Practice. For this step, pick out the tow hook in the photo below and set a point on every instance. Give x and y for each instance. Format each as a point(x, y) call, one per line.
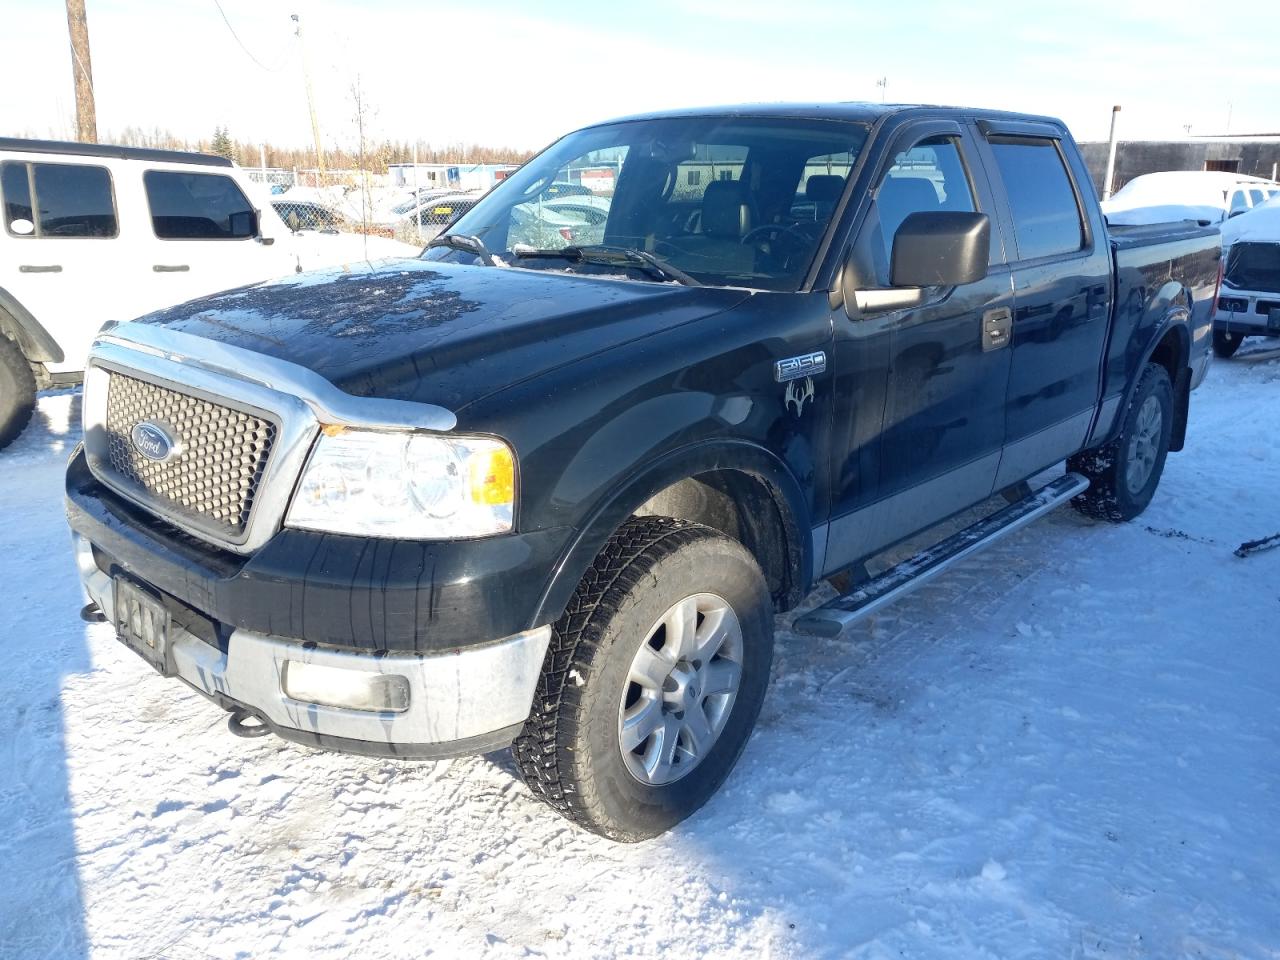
point(250, 731)
point(92, 613)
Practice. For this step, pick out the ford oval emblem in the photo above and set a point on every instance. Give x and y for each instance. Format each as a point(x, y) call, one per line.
point(152, 442)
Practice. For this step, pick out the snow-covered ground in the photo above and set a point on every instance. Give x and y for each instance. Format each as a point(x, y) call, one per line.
point(1067, 748)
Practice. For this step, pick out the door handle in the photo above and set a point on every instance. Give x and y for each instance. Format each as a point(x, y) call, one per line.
point(997, 324)
point(48, 268)
point(171, 267)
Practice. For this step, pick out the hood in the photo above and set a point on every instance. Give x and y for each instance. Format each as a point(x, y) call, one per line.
point(438, 332)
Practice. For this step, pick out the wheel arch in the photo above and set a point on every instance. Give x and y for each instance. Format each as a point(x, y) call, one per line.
point(735, 487)
point(17, 323)
point(1167, 342)
point(1170, 347)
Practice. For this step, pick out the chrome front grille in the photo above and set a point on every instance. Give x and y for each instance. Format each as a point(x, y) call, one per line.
point(219, 454)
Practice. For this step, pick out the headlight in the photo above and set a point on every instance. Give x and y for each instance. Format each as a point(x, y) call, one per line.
point(410, 486)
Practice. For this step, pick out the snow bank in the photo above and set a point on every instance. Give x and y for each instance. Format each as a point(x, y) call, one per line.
point(1063, 748)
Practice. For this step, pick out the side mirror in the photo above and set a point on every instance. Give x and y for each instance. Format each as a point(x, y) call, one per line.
point(941, 248)
point(243, 223)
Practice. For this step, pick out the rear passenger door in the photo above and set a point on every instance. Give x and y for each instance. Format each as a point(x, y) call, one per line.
point(63, 250)
point(1062, 295)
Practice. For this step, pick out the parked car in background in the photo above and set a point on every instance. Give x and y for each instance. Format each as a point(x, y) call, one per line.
point(407, 203)
point(572, 219)
point(1249, 301)
point(94, 233)
point(427, 218)
point(1204, 195)
point(303, 215)
point(565, 188)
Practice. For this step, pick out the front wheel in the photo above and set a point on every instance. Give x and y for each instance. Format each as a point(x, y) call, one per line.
point(653, 681)
point(1123, 474)
point(1226, 343)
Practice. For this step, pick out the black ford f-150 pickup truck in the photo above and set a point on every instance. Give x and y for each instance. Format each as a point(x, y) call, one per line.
point(547, 485)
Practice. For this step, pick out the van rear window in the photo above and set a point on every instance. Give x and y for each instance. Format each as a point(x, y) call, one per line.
point(70, 200)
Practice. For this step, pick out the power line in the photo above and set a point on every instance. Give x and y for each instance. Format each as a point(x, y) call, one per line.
point(239, 42)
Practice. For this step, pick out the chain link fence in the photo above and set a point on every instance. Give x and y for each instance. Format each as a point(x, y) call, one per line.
point(362, 202)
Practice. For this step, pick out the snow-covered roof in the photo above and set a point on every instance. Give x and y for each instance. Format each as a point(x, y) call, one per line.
point(1261, 224)
point(1176, 195)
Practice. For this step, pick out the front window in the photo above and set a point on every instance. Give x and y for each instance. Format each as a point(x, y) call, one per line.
point(724, 201)
point(198, 206)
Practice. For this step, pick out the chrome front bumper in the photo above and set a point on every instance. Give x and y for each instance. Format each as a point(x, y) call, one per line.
point(464, 702)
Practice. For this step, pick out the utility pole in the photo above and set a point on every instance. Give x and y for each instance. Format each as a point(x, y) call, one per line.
point(82, 73)
point(883, 84)
point(1111, 154)
point(311, 103)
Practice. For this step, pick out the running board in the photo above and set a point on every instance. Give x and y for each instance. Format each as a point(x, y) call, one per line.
point(832, 617)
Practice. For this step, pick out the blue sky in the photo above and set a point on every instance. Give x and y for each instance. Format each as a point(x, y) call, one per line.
point(503, 72)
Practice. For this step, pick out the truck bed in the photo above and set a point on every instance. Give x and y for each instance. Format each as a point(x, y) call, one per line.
point(1129, 237)
point(1159, 268)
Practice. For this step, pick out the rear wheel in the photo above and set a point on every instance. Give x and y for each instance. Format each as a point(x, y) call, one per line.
point(653, 681)
point(1123, 475)
point(17, 392)
point(1226, 343)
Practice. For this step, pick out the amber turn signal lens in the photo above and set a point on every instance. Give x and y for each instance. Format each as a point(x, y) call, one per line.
point(493, 477)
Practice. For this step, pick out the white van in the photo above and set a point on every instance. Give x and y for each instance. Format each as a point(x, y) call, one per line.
point(94, 233)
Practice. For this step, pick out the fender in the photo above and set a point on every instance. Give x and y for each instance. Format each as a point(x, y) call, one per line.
point(1171, 306)
point(17, 323)
point(609, 514)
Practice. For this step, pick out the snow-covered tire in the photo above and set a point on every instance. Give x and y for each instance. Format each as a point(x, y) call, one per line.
point(1123, 474)
point(609, 643)
point(1225, 343)
point(17, 392)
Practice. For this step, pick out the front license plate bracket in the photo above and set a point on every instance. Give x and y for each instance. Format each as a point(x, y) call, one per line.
point(143, 623)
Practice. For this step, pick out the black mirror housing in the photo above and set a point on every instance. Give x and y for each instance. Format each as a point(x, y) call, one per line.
point(941, 248)
point(243, 223)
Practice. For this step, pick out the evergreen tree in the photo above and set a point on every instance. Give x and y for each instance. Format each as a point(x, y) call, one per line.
point(222, 144)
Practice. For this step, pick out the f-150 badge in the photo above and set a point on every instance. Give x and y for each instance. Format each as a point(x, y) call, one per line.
point(793, 368)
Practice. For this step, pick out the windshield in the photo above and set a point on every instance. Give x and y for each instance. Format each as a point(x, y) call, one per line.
point(1253, 266)
point(728, 201)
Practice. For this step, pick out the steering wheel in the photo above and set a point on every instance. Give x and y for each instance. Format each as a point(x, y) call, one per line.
point(797, 241)
point(770, 229)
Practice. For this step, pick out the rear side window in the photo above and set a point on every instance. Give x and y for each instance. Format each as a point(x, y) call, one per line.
point(15, 186)
point(710, 162)
point(1239, 204)
point(1046, 216)
point(198, 206)
point(68, 201)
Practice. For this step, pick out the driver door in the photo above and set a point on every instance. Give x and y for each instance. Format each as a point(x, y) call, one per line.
point(945, 383)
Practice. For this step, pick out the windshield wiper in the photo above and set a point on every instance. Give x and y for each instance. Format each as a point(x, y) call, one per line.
point(604, 254)
point(466, 243)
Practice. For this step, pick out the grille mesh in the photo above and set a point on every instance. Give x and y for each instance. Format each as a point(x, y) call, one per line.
point(221, 453)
